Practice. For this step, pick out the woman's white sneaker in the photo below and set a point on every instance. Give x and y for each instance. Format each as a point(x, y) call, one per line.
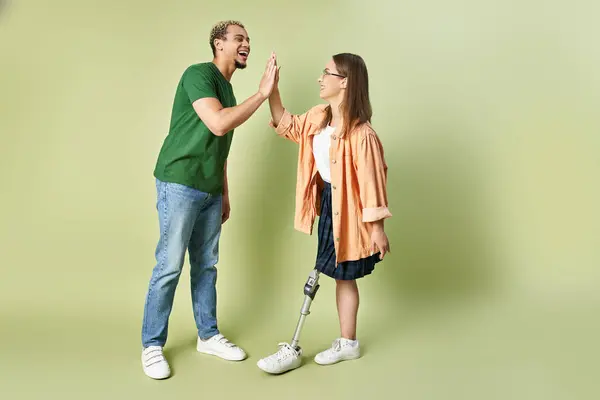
point(219, 346)
point(341, 350)
point(154, 363)
point(286, 358)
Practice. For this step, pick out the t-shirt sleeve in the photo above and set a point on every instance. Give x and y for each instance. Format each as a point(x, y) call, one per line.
point(199, 83)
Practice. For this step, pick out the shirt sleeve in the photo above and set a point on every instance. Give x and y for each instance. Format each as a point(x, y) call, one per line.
point(291, 127)
point(372, 179)
point(199, 83)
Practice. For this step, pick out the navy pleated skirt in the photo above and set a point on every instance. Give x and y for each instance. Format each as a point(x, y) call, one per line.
point(347, 270)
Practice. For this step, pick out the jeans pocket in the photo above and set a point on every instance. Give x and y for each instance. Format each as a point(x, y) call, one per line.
point(188, 193)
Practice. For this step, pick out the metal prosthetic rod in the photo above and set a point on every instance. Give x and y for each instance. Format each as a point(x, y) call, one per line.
point(310, 290)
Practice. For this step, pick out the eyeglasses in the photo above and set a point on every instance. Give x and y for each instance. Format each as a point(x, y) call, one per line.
point(325, 72)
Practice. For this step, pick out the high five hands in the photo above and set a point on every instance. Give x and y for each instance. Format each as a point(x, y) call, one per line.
point(270, 77)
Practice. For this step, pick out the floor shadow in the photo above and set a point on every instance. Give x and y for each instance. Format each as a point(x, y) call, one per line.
point(182, 346)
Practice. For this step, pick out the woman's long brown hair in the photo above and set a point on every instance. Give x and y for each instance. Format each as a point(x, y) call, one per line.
point(356, 106)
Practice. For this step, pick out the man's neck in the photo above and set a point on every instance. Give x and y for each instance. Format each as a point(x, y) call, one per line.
point(227, 68)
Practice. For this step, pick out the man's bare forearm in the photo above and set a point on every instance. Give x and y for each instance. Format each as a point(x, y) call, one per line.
point(232, 117)
point(220, 120)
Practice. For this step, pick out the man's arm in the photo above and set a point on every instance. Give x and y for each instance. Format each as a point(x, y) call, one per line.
point(221, 120)
point(226, 207)
point(225, 182)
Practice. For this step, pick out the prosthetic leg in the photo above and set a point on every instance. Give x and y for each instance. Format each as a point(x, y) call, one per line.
point(289, 355)
point(310, 290)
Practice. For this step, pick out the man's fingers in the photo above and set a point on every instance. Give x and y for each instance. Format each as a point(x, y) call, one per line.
point(269, 65)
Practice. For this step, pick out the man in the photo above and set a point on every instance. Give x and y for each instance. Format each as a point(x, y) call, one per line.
point(192, 191)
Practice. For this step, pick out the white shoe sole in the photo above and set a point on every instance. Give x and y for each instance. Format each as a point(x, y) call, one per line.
point(344, 358)
point(157, 377)
point(219, 354)
point(278, 372)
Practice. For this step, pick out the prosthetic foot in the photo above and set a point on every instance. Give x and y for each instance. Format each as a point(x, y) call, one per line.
point(288, 356)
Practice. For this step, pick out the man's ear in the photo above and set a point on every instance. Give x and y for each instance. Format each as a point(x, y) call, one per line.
point(218, 44)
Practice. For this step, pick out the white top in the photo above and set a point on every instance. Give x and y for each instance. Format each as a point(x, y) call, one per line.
point(321, 145)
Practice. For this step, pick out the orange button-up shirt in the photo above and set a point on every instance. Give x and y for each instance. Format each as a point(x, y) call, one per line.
point(358, 181)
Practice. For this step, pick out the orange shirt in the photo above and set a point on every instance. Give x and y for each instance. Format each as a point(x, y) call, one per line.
point(358, 181)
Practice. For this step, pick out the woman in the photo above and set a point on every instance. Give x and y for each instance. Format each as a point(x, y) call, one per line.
point(342, 178)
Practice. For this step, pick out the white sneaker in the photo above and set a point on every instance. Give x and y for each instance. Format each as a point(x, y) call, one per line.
point(154, 363)
point(341, 350)
point(285, 359)
point(219, 346)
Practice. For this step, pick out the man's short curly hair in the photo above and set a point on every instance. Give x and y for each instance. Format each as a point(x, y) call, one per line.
point(219, 31)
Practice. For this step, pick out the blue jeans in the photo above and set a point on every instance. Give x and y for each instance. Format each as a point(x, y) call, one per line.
point(189, 220)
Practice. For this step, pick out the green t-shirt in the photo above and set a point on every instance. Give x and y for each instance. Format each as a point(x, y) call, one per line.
point(191, 154)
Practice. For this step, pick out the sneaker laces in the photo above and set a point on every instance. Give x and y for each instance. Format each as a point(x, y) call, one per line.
point(336, 345)
point(284, 352)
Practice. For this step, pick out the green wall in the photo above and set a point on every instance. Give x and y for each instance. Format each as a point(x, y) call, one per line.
point(488, 116)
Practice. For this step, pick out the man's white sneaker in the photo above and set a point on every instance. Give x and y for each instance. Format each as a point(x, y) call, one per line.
point(219, 346)
point(286, 358)
point(154, 363)
point(341, 350)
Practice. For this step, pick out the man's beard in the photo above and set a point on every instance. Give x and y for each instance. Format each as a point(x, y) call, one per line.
point(239, 65)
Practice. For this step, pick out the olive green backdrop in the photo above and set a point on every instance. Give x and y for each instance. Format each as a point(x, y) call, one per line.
point(488, 112)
